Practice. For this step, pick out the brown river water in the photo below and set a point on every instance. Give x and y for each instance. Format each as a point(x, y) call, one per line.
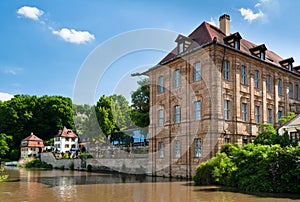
point(56, 185)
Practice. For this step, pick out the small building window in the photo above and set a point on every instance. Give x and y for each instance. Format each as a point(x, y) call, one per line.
point(177, 152)
point(291, 91)
point(197, 110)
point(270, 116)
point(176, 80)
point(227, 140)
point(226, 69)
point(296, 92)
point(197, 73)
point(177, 114)
point(245, 141)
point(256, 79)
point(237, 44)
point(66, 145)
point(279, 115)
point(244, 112)
point(226, 109)
point(161, 117)
point(197, 148)
point(180, 48)
point(244, 75)
point(257, 114)
point(294, 136)
point(269, 83)
point(161, 84)
point(161, 150)
point(279, 87)
point(262, 55)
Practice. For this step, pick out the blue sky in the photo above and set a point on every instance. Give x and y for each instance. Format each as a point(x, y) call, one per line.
point(45, 43)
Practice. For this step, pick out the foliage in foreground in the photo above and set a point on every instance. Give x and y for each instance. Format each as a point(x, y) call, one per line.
point(35, 163)
point(255, 168)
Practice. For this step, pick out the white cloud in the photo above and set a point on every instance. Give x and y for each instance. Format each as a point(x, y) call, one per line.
point(212, 21)
point(73, 36)
point(5, 96)
point(30, 12)
point(12, 70)
point(249, 15)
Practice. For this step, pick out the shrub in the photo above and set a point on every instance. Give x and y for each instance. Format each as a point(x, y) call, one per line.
point(71, 166)
point(87, 155)
point(35, 163)
point(89, 168)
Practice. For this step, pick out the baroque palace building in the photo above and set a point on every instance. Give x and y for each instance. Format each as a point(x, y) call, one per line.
point(214, 88)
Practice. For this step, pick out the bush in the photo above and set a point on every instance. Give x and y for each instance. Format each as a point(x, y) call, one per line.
point(35, 163)
point(72, 166)
point(255, 168)
point(87, 155)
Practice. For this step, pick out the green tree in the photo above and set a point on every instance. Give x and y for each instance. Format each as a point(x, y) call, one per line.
point(141, 104)
point(267, 135)
point(4, 147)
point(285, 119)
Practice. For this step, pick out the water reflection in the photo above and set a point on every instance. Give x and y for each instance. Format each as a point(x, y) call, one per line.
point(44, 186)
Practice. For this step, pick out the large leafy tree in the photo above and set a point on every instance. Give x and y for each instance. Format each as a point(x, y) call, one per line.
point(141, 104)
point(43, 116)
point(113, 114)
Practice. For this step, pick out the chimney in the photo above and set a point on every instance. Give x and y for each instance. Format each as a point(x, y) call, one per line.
point(224, 21)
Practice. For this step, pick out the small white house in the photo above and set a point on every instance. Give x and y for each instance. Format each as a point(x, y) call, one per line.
point(65, 141)
point(291, 127)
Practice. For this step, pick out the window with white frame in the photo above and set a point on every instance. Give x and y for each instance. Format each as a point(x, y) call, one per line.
point(197, 71)
point(257, 114)
point(244, 112)
point(176, 80)
point(197, 110)
point(244, 75)
point(226, 69)
point(161, 117)
point(270, 115)
point(161, 84)
point(161, 150)
point(269, 83)
point(197, 148)
point(177, 152)
point(226, 109)
point(291, 91)
point(256, 78)
point(177, 114)
point(279, 87)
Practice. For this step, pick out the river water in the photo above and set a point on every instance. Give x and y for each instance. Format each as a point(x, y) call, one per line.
point(56, 185)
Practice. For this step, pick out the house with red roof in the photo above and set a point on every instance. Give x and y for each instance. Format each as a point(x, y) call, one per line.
point(214, 87)
point(65, 141)
point(31, 146)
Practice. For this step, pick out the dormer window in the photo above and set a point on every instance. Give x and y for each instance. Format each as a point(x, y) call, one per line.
point(233, 40)
point(262, 55)
point(287, 63)
point(180, 48)
point(259, 51)
point(183, 43)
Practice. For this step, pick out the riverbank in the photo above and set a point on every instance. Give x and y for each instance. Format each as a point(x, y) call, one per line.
point(67, 185)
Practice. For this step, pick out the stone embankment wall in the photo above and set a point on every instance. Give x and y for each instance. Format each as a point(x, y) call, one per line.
point(124, 165)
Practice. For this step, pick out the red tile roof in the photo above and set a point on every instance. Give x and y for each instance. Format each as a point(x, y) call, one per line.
point(205, 33)
point(66, 133)
point(32, 141)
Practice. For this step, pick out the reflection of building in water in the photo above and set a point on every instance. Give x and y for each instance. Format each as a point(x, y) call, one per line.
point(31, 146)
point(215, 87)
